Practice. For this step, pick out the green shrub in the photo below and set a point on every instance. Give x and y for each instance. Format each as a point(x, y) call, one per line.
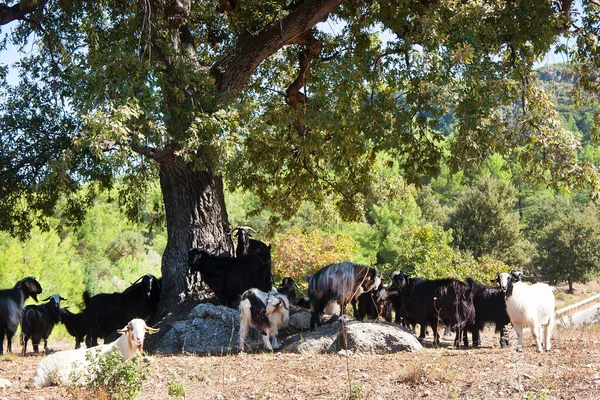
point(300, 254)
point(177, 389)
point(108, 377)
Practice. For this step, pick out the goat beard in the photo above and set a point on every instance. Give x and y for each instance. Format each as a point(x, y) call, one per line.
point(137, 348)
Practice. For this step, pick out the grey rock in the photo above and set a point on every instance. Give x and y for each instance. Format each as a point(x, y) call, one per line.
point(361, 337)
point(208, 329)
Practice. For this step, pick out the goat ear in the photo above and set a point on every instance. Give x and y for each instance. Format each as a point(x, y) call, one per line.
point(151, 330)
point(61, 298)
point(122, 331)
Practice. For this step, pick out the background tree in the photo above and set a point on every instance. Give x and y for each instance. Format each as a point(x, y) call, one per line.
point(189, 91)
point(485, 223)
point(568, 248)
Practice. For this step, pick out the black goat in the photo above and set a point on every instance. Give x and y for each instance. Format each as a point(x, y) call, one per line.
point(490, 307)
point(76, 325)
point(371, 306)
point(341, 283)
point(229, 277)
point(11, 308)
point(38, 322)
point(288, 288)
point(107, 312)
point(429, 301)
point(246, 246)
point(398, 294)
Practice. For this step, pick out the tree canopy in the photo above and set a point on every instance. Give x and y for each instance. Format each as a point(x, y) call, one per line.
point(260, 96)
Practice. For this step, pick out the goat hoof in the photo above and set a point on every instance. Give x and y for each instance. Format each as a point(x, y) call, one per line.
point(520, 349)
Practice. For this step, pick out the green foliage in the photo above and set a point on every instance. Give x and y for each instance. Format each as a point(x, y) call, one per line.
point(177, 389)
point(125, 244)
point(484, 222)
point(426, 252)
point(108, 377)
point(542, 211)
point(54, 263)
point(568, 247)
point(431, 208)
point(300, 254)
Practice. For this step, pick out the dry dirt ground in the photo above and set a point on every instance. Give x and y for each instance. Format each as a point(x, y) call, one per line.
point(570, 371)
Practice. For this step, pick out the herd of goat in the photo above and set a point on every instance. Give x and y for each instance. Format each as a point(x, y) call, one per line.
point(246, 281)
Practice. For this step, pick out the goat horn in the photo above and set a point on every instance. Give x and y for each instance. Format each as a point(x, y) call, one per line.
point(151, 330)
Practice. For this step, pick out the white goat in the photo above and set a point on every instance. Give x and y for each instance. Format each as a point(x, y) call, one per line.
point(59, 366)
point(267, 312)
point(531, 305)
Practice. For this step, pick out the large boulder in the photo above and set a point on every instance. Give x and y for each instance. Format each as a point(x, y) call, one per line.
point(208, 329)
point(374, 337)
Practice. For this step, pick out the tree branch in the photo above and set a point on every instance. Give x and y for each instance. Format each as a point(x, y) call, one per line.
point(232, 72)
point(19, 10)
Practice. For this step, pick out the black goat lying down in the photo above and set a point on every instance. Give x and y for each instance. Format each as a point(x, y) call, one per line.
point(107, 312)
point(76, 325)
point(341, 283)
point(267, 312)
point(11, 308)
point(38, 322)
point(229, 277)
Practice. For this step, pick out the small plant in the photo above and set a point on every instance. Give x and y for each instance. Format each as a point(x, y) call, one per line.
point(108, 377)
point(356, 393)
point(177, 389)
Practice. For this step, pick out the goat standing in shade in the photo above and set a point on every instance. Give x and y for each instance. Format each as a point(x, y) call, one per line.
point(229, 277)
point(341, 283)
point(267, 312)
point(38, 322)
point(11, 307)
point(107, 312)
point(288, 289)
point(76, 325)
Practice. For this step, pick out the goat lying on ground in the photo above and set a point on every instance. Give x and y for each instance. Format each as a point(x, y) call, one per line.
point(38, 322)
point(61, 365)
point(341, 283)
point(267, 312)
point(529, 305)
point(11, 308)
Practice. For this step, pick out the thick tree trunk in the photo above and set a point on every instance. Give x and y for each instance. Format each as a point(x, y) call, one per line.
point(196, 217)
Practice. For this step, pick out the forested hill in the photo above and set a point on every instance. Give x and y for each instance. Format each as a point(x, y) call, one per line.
point(558, 80)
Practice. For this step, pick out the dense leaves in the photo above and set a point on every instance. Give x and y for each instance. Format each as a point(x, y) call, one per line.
point(261, 96)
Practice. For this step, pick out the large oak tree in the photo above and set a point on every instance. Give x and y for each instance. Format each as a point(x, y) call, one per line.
point(255, 92)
